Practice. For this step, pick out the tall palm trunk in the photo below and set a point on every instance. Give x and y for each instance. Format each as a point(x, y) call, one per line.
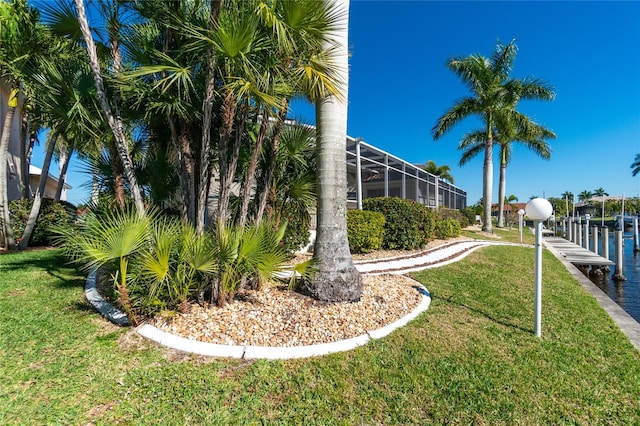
point(487, 178)
point(181, 150)
point(117, 170)
point(5, 219)
point(228, 114)
point(29, 143)
point(115, 124)
point(228, 155)
point(502, 187)
point(24, 162)
point(37, 198)
point(337, 279)
point(65, 157)
point(207, 114)
point(187, 168)
point(245, 193)
point(268, 180)
point(95, 187)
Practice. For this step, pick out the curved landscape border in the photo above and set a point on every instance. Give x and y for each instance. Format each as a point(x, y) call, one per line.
point(280, 352)
point(287, 352)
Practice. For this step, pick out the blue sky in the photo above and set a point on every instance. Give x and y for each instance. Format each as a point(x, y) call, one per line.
point(399, 86)
point(589, 51)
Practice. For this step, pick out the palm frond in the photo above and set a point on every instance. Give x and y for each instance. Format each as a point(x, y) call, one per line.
point(458, 112)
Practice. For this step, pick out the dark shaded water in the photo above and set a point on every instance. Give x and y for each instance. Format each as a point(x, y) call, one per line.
point(624, 293)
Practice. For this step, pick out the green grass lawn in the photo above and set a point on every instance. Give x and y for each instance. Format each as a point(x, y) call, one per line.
point(472, 358)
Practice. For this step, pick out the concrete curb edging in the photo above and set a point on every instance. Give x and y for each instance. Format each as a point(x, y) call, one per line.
point(278, 352)
point(105, 308)
point(252, 352)
point(186, 345)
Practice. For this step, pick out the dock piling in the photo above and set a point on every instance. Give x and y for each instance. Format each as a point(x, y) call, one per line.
point(604, 242)
point(578, 240)
point(618, 254)
point(594, 239)
point(585, 230)
point(570, 229)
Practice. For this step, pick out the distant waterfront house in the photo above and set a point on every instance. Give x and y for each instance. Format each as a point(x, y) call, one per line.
point(593, 206)
point(508, 208)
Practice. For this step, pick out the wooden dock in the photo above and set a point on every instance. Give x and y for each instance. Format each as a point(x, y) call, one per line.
point(576, 254)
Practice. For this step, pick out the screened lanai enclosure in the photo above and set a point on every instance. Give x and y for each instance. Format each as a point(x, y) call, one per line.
point(384, 175)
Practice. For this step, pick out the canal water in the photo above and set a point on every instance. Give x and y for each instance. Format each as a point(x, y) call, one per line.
point(624, 293)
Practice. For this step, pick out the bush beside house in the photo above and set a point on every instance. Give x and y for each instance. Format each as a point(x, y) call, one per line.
point(52, 214)
point(408, 224)
point(365, 230)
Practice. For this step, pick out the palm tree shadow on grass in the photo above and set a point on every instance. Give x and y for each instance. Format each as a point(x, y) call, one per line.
point(84, 306)
point(49, 260)
point(501, 321)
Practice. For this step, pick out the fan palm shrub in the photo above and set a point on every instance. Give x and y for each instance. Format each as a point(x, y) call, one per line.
point(110, 239)
point(245, 257)
point(171, 268)
point(161, 263)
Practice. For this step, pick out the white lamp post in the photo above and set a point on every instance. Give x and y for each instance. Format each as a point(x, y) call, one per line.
point(520, 216)
point(538, 210)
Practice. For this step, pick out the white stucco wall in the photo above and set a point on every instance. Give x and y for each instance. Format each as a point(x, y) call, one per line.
point(13, 159)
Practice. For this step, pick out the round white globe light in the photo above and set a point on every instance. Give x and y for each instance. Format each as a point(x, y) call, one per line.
point(538, 209)
point(521, 212)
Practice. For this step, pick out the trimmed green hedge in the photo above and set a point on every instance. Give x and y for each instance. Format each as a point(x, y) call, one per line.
point(447, 228)
point(470, 214)
point(458, 215)
point(408, 224)
point(365, 230)
point(52, 213)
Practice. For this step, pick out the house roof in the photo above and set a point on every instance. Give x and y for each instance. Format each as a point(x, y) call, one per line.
point(36, 171)
point(507, 207)
point(598, 199)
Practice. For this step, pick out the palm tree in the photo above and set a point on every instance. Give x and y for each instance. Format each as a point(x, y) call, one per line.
point(63, 108)
point(24, 42)
point(585, 195)
point(443, 172)
point(337, 279)
point(306, 69)
point(5, 219)
point(600, 192)
point(509, 201)
point(114, 121)
point(636, 165)
point(207, 118)
point(513, 127)
point(568, 197)
point(494, 95)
